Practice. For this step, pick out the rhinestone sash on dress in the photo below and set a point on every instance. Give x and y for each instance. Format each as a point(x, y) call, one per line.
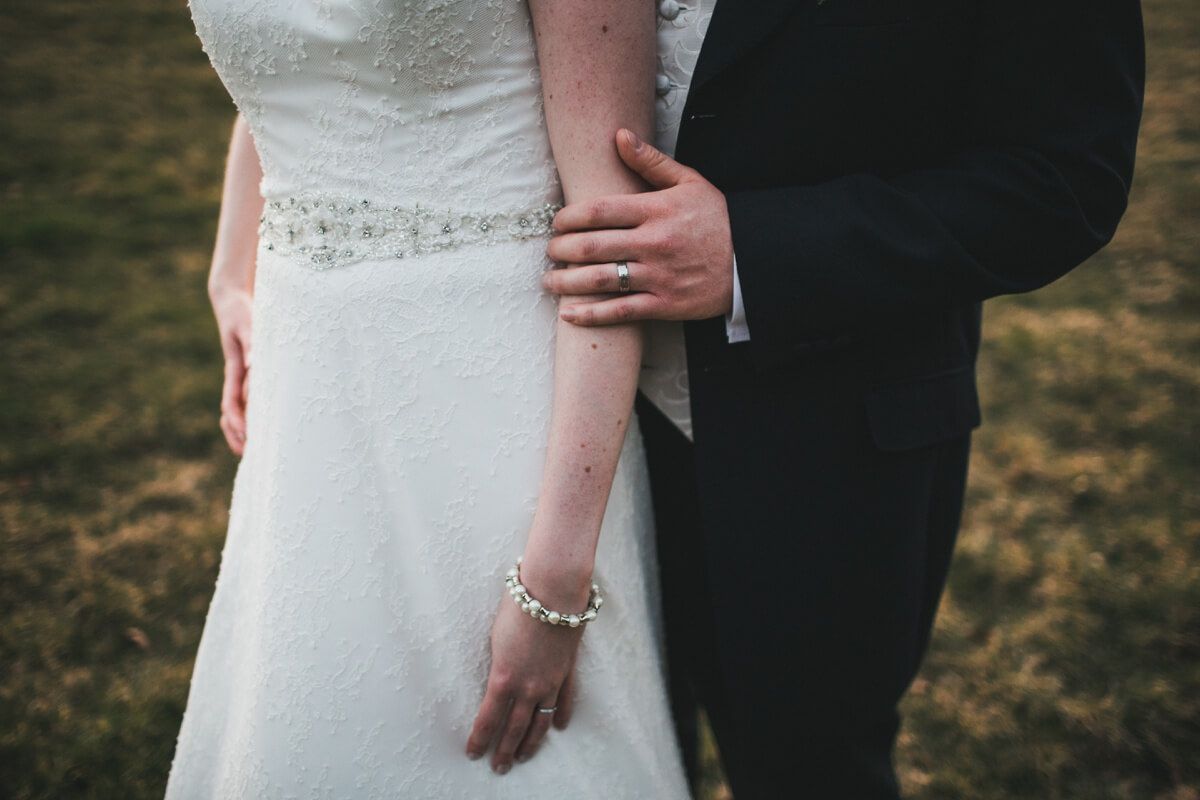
point(323, 233)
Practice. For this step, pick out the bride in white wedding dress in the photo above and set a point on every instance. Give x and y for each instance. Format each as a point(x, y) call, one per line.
point(417, 417)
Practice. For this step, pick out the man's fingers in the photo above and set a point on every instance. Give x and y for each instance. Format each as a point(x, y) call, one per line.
point(594, 279)
point(618, 310)
point(614, 211)
point(591, 247)
point(658, 169)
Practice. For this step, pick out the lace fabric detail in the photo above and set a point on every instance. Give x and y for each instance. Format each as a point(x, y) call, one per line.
point(398, 425)
point(414, 101)
point(323, 233)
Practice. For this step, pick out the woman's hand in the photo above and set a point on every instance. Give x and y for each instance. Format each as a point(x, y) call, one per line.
point(533, 665)
point(232, 308)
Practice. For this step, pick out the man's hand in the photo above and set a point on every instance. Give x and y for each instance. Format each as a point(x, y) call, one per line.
point(676, 241)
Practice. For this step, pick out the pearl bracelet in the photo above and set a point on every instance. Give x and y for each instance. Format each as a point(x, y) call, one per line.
point(535, 609)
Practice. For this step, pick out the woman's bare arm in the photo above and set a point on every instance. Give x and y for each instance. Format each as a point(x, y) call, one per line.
point(597, 64)
point(231, 278)
point(597, 61)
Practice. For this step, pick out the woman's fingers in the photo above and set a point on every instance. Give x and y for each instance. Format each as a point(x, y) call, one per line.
point(566, 701)
point(514, 731)
point(235, 393)
point(232, 438)
point(539, 726)
point(245, 393)
point(233, 406)
point(233, 312)
point(521, 728)
point(491, 715)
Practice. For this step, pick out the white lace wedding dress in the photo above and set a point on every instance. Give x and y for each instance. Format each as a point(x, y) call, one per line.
point(398, 417)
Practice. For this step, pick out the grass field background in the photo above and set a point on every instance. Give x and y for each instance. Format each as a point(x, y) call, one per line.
point(1066, 662)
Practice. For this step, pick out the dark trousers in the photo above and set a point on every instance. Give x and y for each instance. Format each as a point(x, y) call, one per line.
point(800, 678)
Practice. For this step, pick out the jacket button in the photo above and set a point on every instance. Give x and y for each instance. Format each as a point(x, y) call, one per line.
point(662, 84)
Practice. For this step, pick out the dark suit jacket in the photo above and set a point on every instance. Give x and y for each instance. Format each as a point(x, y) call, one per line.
point(888, 164)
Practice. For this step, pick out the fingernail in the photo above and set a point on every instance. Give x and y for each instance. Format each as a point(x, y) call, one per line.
point(522, 758)
point(503, 769)
point(567, 314)
point(474, 755)
point(632, 139)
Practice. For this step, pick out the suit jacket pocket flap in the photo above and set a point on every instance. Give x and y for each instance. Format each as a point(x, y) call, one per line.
point(923, 411)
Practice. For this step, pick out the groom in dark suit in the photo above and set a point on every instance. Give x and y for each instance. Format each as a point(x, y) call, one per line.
point(875, 168)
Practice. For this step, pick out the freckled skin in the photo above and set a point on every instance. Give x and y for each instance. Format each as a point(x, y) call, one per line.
point(592, 84)
point(593, 347)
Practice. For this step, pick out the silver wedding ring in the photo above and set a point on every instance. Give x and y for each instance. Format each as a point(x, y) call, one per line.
point(549, 710)
point(623, 277)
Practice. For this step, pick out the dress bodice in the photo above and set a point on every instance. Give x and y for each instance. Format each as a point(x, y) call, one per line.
point(416, 104)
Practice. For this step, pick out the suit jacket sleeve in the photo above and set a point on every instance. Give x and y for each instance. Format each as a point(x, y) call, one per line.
point(1036, 183)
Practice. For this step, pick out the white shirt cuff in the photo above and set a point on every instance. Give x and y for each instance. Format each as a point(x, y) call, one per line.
point(736, 329)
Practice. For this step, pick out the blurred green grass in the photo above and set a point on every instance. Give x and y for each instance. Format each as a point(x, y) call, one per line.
point(1066, 662)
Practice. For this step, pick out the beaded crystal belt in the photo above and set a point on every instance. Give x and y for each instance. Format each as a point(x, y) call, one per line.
point(331, 232)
